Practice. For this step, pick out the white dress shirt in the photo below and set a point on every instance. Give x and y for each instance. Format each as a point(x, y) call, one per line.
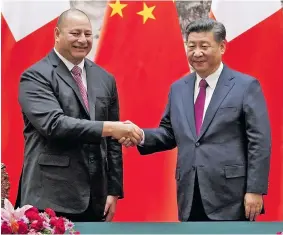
point(71, 65)
point(211, 80)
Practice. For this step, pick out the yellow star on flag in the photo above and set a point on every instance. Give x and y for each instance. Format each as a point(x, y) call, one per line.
point(147, 12)
point(117, 8)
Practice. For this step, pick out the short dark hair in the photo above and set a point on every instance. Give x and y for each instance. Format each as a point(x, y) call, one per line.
point(68, 12)
point(207, 25)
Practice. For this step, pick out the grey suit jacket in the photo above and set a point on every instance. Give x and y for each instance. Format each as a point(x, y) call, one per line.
point(65, 159)
point(232, 153)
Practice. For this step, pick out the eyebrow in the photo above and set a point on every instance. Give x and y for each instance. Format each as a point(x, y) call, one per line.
point(202, 42)
point(87, 31)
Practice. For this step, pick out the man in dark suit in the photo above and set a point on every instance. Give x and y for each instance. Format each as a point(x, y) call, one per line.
point(72, 159)
point(217, 118)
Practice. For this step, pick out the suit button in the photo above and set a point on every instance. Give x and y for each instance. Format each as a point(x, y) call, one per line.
point(91, 159)
point(197, 144)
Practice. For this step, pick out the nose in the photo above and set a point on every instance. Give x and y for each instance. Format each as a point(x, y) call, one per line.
point(82, 38)
point(198, 53)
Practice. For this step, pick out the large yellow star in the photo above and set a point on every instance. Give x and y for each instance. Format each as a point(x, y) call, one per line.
point(117, 8)
point(146, 12)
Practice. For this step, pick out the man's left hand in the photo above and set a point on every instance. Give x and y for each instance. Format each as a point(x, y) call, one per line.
point(253, 205)
point(110, 207)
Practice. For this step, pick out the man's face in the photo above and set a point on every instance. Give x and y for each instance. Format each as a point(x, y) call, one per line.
point(204, 53)
point(74, 38)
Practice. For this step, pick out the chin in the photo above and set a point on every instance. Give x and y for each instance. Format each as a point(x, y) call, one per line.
point(79, 56)
point(200, 68)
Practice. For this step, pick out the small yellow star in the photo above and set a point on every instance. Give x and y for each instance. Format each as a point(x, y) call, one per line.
point(117, 8)
point(147, 12)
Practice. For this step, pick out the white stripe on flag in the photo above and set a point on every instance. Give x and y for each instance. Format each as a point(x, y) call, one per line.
point(239, 16)
point(31, 15)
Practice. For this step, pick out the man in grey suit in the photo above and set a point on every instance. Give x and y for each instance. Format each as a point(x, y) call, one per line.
point(217, 118)
point(72, 159)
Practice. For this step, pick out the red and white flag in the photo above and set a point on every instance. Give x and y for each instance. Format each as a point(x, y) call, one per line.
point(255, 46)
point(27, 29)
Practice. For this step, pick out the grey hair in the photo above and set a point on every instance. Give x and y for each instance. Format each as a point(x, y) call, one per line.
point(207, 25)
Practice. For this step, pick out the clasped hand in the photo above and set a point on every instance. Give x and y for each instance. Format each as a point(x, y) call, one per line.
point(127, 133)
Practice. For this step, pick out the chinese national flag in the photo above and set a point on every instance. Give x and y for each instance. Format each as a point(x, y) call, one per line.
point(142, 46)
point(255, 46)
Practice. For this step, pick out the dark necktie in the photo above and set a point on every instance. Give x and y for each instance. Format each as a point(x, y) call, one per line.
point(77, 72)
point(199, 105)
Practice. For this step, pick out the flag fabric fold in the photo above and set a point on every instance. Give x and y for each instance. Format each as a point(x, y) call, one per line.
point(255, 45)
point(143, 48)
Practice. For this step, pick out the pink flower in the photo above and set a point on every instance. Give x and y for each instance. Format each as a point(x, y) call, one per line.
point(25, 219)
point(23, 228)
point(61, 221)
point(37, 225)
point(44, 216)
point(34, 209)
point(50, 212)
point(31, 215)
point(28, 220)
point(8, 213)
point(53, 221)
point(69, 225)
point(46, 225)
point(32, 231)
point(59, 230)
point(60, 226)
point(5, 228)
point(75, 232)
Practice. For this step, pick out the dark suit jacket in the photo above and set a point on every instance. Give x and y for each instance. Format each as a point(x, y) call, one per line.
point(232, 153)
point(65, 159)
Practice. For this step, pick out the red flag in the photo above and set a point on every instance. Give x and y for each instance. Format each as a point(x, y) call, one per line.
point(142, 46)
point(255, 45)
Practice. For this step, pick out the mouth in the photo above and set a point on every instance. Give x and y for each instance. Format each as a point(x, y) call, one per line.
point(80, 48)
point(199, 63)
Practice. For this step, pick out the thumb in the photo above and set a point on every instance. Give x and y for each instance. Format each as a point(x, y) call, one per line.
point(107, 205)
point(127, 122)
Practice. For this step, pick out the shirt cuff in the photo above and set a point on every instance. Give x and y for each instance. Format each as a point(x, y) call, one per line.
point(143, 138)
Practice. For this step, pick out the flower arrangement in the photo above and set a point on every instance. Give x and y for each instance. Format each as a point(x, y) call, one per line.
point(5, 184)
point(28, 220)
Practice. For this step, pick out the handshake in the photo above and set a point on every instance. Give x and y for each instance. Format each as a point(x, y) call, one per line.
point(127, 133)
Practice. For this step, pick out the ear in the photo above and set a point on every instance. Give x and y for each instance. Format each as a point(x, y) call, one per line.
point(223, 47)
point(56, 34)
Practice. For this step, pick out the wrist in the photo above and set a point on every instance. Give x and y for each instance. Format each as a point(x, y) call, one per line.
point(107, 128)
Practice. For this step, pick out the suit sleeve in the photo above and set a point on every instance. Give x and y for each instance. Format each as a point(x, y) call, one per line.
point(161, 138)
point(258, 137)
point(114, 151)
point(41, 107)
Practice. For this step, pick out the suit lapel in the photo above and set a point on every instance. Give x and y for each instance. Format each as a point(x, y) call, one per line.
point(224, 85)
point(188, 101)
point(62, 70)
point(90, 77)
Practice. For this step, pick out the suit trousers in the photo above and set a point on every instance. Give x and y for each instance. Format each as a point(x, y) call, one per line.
point(197, 210)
